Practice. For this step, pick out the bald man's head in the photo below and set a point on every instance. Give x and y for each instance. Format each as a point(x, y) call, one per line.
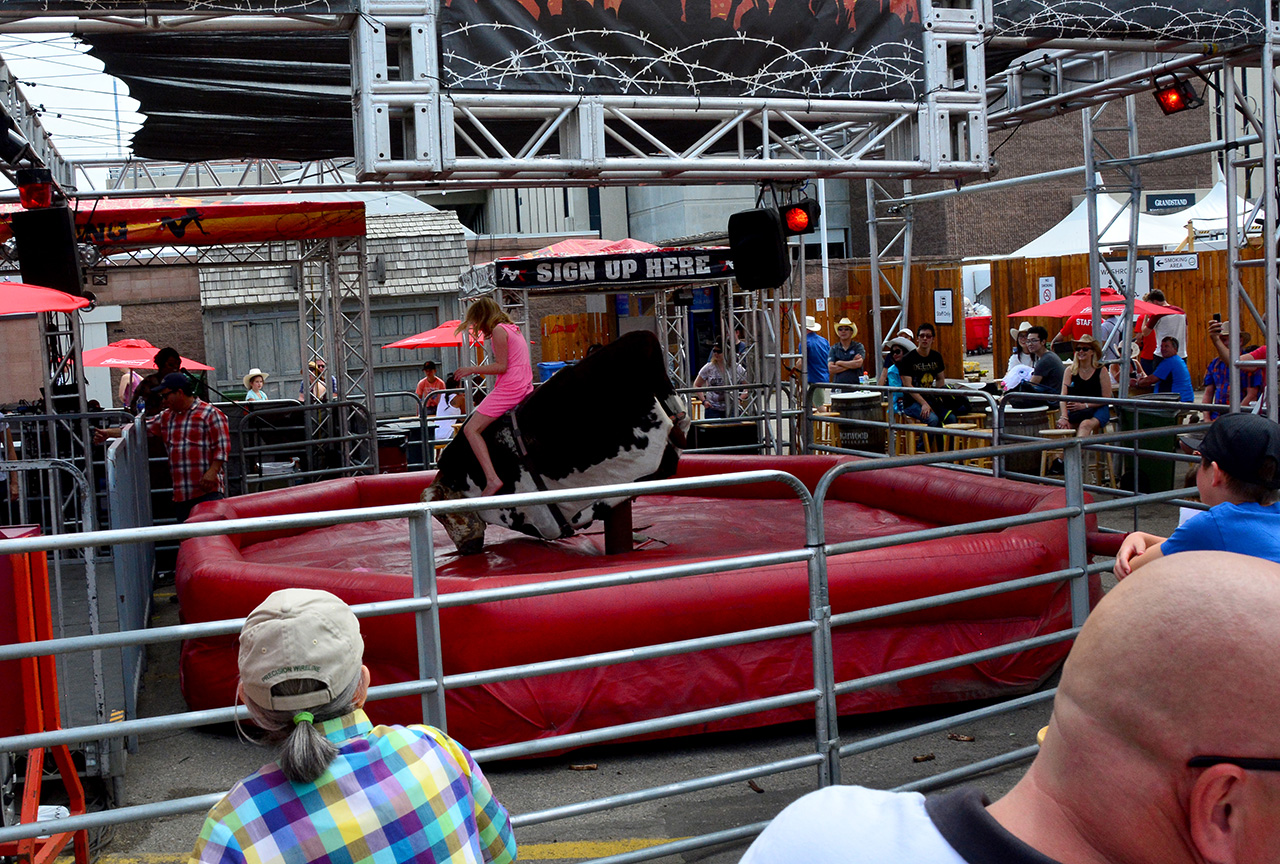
point(1179, 660)
point(1162, 658)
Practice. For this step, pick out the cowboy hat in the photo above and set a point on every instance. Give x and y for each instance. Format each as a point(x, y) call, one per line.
point(1015, 332)
point(811, 324)
point(1092, 342)
point(901, 342)
point(254, 373)
point(907, 333)
point(845, 322)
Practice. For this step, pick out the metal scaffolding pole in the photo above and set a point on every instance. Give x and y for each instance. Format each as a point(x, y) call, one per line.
point(1269, 145)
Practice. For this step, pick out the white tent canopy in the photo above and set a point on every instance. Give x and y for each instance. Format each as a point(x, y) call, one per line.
point(1071, 235)
point(1206, 215)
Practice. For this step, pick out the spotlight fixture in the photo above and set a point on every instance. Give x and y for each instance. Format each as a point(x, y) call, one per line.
point(1178, 96)
point(800, 217)
point(35, 188)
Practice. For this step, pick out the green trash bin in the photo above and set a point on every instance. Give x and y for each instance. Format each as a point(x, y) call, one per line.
point(1154, 474)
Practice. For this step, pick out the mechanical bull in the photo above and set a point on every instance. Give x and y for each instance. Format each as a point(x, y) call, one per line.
point(612, 418)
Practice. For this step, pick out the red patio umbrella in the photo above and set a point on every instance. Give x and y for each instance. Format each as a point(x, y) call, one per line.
point(130, 354)
point(437, 337)
point(1080, 302)
point(19, 298)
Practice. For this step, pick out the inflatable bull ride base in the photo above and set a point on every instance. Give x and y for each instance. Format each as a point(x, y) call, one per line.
point(226, 577)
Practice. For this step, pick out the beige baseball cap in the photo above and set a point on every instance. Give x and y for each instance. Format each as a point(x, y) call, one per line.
point(299, 633)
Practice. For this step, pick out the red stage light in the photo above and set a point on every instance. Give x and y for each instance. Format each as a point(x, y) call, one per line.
point(800, 217)
point(1178, 96)
point(35, 188)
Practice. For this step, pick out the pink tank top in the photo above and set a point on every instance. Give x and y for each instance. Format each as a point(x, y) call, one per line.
point(512, 386)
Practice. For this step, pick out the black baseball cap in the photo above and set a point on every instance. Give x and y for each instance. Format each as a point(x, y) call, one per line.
point(1246, 446)
point(176, 381)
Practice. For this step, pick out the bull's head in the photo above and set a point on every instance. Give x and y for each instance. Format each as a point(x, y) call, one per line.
point(673, 403)
point(466, 530)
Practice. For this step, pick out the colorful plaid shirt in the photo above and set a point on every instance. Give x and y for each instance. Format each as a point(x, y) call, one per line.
point(194, 439)
point(392, 794)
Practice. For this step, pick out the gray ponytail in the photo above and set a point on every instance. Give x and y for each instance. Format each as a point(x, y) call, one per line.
point(304, 752)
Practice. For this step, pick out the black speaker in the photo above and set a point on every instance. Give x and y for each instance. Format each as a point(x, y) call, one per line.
point(47, 253)
point(759, 249)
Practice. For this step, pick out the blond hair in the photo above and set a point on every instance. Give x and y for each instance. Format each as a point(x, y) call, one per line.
point(1094, 351)
point(483, 316)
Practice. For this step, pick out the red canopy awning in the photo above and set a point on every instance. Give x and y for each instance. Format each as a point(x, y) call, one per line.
point(437, 337)
point(131, 354)
point(1080, 302)
point(19, 298)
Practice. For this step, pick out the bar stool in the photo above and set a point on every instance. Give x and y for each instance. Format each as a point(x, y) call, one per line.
point(824, 431)
point(966, 442)
point(1057, 452)
point(905, 439)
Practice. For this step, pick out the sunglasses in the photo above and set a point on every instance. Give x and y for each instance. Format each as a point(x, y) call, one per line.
point(1249, 763)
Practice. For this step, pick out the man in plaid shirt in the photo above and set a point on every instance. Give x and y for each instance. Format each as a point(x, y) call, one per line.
point(198, 440)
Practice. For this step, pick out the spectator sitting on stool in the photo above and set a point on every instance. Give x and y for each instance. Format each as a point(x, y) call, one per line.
point(1085, 378)
point(923, 367)
point(1171, 374)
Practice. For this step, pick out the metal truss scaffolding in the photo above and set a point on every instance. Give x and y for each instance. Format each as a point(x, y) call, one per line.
point(892, 214)
point(407, 126)
point(1092, 187)
point(1238, 164)
point(333, 307)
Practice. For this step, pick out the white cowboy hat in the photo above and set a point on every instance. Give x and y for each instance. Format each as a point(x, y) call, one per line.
point(1014, 332)
point(907, 333)
point(845, 322)
point(254, 373)
point(902, 342)
point(811, 324)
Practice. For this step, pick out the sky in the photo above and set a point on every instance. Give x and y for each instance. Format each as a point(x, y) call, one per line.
point(72, 95)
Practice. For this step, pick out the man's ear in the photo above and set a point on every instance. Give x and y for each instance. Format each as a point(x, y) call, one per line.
point(362, 689)
point(1219, 476)
point(1213, 813)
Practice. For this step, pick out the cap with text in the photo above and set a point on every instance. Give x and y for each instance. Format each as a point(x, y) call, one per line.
point(299, 633)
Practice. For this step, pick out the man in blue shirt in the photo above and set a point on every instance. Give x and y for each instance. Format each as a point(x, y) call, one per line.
point(1238, 478)
point(817, 356)
point(1171, 374)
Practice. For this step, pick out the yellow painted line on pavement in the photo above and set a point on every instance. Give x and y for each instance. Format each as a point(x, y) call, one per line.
point(571, 850)
point(578, 849)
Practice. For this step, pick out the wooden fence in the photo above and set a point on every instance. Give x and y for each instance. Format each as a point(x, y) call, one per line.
point(567, 337)
point(926, 278)
point(1200, 293)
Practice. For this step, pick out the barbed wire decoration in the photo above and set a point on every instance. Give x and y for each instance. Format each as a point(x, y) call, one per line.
point(1225, 21)
point(797, 48)
point(276, 7)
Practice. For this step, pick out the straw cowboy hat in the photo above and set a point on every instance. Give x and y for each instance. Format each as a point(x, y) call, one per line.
point(845, 322)
point(1014, 332)
point(1092, 342)
point(254, 373)
point(811, 324)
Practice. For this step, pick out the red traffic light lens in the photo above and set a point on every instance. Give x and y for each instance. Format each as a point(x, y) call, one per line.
point(796, 219)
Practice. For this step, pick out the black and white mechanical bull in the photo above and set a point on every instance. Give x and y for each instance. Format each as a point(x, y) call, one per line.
point(612, 418)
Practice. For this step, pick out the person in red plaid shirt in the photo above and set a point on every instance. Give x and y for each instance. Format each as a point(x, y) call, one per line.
point(197, 437)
